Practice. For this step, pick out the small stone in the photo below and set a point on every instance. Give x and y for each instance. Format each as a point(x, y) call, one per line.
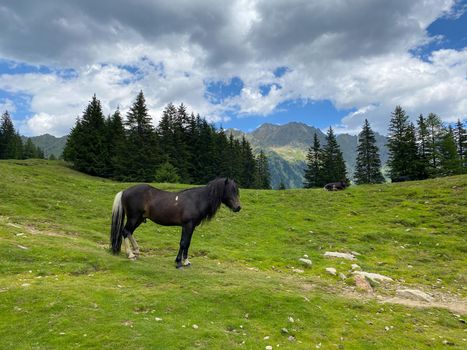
point(298, 270)
point(25, 285)
point(342, 276)
point(331, 270)
point(306, 262)
point(291, 320)
point(347, 256)
point(158, 319)
point(22, 247)
point(284, 331)
point(414, 294)
point(291, 338)
point(305, 256)
point(268, 347)
point(356, 267)
point(195, 326)
point(386, 328)
point(266, 337)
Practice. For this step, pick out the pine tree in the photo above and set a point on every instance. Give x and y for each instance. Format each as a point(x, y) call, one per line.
point(181, 158)
point(368, 167)
point(167, 173)
point(86, 145)
point(248, 166)
point(435, 131)
point(449, 162)
point(117, 145)
point(11, 146)
point(415, 167)
point(314, 170)
point(333, 161)
point(221, 154)
point(235, 158)
point(460, 136)
point(207, 160)
point(30, 150)
point(423, 141)
point(397, 144)
point(262, 174)
point(142, 143)
point(165, 131)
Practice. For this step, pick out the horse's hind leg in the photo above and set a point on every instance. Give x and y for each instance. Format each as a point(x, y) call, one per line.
point(129, 253)
point(130, 226)
point(134, 245)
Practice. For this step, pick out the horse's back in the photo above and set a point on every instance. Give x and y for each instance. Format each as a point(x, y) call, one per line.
point(134, 198)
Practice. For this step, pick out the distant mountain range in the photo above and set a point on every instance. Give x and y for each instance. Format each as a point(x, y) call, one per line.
point(50, 144)
point(285, 145)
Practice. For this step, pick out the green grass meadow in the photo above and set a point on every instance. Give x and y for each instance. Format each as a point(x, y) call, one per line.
point(60, 288)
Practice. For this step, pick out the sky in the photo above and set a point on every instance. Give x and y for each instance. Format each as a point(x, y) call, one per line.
point(238, 63)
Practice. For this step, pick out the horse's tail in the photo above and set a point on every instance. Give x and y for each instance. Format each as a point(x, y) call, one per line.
point(118, 215)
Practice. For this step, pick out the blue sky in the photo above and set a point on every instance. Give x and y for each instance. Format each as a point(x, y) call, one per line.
point(239, 64)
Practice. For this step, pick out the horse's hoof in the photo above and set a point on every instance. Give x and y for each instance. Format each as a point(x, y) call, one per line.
point(179, 266)
point(132, 257)
point(187, 265)
point(137, 252)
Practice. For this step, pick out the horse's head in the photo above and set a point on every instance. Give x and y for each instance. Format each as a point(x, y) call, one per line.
point(230, 196)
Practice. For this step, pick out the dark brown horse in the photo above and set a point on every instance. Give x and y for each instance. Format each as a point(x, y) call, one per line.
point(336, 186)
point(187, 209)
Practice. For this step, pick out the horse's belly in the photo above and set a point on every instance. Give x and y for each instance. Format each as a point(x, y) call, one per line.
point(165, 217)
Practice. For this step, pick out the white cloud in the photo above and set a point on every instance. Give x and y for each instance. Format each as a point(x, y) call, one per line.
point(354, 54)
point(7, 105)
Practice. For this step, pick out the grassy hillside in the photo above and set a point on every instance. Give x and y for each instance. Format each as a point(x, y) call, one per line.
point(60, 288)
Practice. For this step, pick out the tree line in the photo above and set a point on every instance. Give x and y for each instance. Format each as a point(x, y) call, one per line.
point(11, 144)
point(182, 148)
point(431, 149)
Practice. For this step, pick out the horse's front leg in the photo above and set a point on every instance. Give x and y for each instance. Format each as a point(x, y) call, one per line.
point(187, 231)
point(185, 260)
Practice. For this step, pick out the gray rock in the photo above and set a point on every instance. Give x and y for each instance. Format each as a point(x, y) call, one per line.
point(347, 256)
point(414, 294)
point(375, 277)
point(306, 262)
point(356, 267)
point(331, 270)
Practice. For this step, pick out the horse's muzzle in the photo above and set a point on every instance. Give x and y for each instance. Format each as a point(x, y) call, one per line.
point(237, 209)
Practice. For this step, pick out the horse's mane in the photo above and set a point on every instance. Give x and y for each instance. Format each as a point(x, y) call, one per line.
point(215, 190)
